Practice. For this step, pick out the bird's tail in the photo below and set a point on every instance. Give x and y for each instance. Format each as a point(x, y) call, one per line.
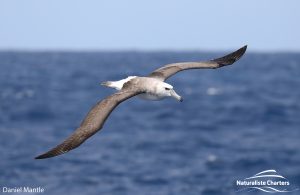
point(112, 84)
point(107, 83)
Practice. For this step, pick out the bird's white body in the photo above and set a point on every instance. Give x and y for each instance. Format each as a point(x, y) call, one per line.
point(155, 89)
point(148, 96)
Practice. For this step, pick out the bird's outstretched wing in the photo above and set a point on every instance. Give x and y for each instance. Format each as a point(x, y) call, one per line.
point(166, 71)
point(92, 123)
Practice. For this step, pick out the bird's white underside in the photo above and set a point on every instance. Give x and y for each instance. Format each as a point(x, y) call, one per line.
point(148, 96)
point(153, 95)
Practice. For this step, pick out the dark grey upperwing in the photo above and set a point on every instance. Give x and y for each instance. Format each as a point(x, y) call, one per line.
point(92, 123)
point(165, 72)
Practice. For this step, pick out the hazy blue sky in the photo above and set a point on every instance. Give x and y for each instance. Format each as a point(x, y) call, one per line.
point(154, 24)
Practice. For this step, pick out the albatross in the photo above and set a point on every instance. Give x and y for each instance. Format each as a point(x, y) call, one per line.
point(151, 87)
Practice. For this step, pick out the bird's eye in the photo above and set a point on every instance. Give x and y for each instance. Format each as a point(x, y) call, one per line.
point(166, 88)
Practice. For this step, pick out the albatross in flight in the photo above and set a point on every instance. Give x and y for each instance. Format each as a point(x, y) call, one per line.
point(151, 87)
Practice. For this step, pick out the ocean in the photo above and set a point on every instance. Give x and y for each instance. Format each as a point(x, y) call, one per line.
point(234, 122)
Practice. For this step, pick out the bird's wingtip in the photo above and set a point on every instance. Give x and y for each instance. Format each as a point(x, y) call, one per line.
point(43, 156)
point(240, 52)
point(244, 47)
point(52, 153)
point(38, 157)
point(232, 57)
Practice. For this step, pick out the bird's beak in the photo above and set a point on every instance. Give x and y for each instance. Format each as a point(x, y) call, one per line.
point(176, 96)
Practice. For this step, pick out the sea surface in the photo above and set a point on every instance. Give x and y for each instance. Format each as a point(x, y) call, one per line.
point(233, 123)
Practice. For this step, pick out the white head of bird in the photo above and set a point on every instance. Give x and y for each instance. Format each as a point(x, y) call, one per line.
point(166, 90)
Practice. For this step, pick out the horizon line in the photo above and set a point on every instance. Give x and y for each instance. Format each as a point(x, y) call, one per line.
point(109, 50)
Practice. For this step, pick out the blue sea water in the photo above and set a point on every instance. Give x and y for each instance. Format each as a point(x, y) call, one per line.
point(233, 123)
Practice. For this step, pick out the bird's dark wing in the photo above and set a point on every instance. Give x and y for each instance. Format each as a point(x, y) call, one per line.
point(92, 123)
point(166, 71)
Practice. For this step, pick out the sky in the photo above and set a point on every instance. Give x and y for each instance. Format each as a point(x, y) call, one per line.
point(265, 25)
